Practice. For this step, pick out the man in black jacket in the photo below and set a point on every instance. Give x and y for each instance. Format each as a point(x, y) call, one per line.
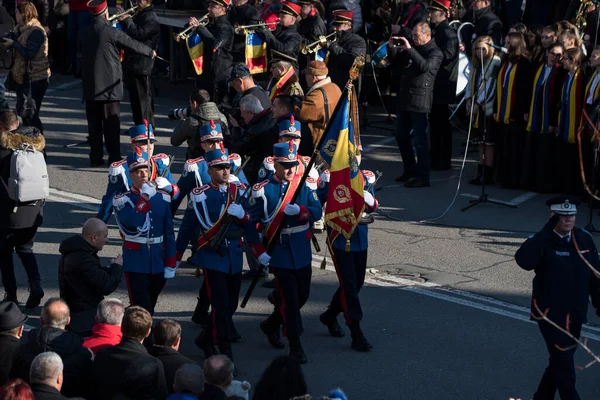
point(418, 67)
point(218, 44)
point(562, 286)
point(286, 38)
point(103, 81)
point(53, 337)
point(444, 88)
point(484, 21)
point(167, 338)
point(82, 279)
point(12, 321)
point(46, 376)
point(242, 13)
point(18, 228)
point(127, 369)
point(311, 27)
point(347, 46)
point(144, 28)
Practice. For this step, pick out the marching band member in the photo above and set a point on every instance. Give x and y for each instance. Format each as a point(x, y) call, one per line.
point(286, 38)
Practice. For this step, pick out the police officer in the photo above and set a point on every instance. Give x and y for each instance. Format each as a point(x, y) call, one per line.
point(347, 46)
point(103, 81)
point(143, 215)
point(311, 26)
point(212, 204)
point(286, 38)
point(351, 267)
point(218, 42)
point(291, 254)
point(562, 285)
point(119, 179)
point(242, 13)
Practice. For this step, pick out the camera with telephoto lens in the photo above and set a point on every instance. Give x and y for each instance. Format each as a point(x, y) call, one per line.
point(179, 113)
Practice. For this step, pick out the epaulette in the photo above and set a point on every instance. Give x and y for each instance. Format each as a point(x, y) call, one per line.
point(166, 195)
point(197, 195)
point(269, 163)
point(236, 159)
point(325, 176)
point(369, 176)
point(117, 168)
point(311, 183)
point(192, 165)
point(162, 157)
point(120, 200)
point(258, 190)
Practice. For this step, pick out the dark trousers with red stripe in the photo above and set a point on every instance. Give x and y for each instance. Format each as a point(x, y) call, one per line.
point(144, 289)
point(350, 267)
point(292, 288)
point(223, 290)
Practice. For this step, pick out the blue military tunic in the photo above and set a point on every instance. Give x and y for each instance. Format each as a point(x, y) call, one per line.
point(267, 169)
point(119, 182)
point(360, 238)
point(147, 228)
point(292, 249)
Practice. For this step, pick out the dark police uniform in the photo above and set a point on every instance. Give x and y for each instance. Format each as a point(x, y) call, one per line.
point(285, 39)
point(344, 50)
point(143, 27)
point(562, 285)
point(246, 14)
point(291, 254)
point(218, 43)
point(103, 81)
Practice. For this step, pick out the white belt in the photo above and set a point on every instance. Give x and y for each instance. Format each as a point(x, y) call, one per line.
point(144, 240)
point(295, 229)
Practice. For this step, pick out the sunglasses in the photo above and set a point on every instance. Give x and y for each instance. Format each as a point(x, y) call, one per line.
point(559, 55)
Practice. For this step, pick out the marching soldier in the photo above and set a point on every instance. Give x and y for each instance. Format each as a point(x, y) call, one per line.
point(291, 254)
point(218, 41)
point(102, 81)
point(143, 215)
point(347, 46)
point(242, 13)
point(284, 79)
point(212, 204)
point(286, 38)
point(143, 27)
point(311, 26)
point(351, 267)
point(119, 180)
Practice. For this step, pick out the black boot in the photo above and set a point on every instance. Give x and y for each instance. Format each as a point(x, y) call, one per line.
point(330, 321)
point(205, 343)
point(11, 296)
point(200, 316)
point(359, 341)
point(478, 179)
point(36, 293)
point(297, 352)
point(272, 332)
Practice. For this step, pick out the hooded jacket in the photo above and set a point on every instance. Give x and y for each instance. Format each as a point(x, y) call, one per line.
point(28, 214)
point(83, 281)
point(77, 359)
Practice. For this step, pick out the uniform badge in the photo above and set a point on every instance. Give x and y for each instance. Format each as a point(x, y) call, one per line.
point(315, 196)
point(322, 184)
point(141, 160)
point(252, 201)
point(262, 173)
point(214, 133)
point(291, 156)
point(224, 157)
point(113, 179)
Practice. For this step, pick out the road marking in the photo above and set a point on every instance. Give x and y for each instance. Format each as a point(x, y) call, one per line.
point(75, 196)
point(514, 202)
point(381, 143)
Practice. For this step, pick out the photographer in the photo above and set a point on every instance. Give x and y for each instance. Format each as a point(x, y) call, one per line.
point(200, 112)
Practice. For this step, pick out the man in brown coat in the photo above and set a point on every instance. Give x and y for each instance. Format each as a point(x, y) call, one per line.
point(320, 100)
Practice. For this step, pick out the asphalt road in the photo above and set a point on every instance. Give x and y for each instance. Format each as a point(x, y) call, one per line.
point(445, 304)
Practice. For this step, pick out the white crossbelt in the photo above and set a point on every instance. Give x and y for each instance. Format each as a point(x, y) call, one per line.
point(295, 229)
point(143, 240)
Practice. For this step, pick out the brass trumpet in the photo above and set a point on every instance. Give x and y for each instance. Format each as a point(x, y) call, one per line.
point(186, 32)
point(131, 11)
point(243, 29)
point(317, 45)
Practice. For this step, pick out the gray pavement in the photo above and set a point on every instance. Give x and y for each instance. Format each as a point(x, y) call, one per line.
point(445, 304)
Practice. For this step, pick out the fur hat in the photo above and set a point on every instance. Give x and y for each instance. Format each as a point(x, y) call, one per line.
point(317, 68)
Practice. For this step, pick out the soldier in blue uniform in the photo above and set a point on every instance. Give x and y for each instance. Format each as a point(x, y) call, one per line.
point(143, 215)
point(210, 206)
point(119, 180)
point(291, 254)
point(351, 267)
point(562, 285)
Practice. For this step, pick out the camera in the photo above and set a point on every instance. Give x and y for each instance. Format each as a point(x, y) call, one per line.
point(179, 113)
point(9, 35)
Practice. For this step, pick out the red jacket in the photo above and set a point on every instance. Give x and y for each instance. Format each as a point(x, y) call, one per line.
point(103, 335)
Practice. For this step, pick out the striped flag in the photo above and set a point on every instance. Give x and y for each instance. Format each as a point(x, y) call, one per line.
point(118, 25)
point(322, 55)
point(256, 53)
point(195, 48)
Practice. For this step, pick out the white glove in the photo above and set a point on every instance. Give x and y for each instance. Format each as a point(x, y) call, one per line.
point(291, 209)
point(369, 199)
point(148, 189)
point(264, 259)
point(234, 179)
point(163, 184)
point(236, 210)
point(169, 273)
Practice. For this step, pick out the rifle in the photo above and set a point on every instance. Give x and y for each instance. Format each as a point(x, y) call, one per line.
point(354, 72)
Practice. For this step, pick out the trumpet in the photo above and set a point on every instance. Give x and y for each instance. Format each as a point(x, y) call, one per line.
point(186, 32)
point(131, 11)
point(318, 45)
point(242, 29)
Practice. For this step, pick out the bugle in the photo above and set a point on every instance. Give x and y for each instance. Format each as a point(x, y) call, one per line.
point(186, 32)
point(243, 29)
point(317, 45)
point(131, 11)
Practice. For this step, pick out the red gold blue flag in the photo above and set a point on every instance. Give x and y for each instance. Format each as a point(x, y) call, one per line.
point(195, 48)
point(322, 55)
point(256, 53)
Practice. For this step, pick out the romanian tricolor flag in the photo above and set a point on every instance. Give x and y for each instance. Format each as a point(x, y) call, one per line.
point(274, 87)
point(195, 48)
point(322, 55)
point(118, 25)
point(345, 198)
point(256, 53)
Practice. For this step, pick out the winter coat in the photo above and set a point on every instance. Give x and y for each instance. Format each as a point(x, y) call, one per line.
point(311, 111)
point(145, 28)
point(103, 335)
point(7, 24)
point(444, 88)
point(31, 53)
point(217, 34)
point(485, 22)
point(8, 345)
point(172, 360)
point(77, 359)
point(83, 281)
point(312, 27)
point(30, 214)
point(342, 53)
point(102, 76)
point(45, 392)
point(286, 40)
